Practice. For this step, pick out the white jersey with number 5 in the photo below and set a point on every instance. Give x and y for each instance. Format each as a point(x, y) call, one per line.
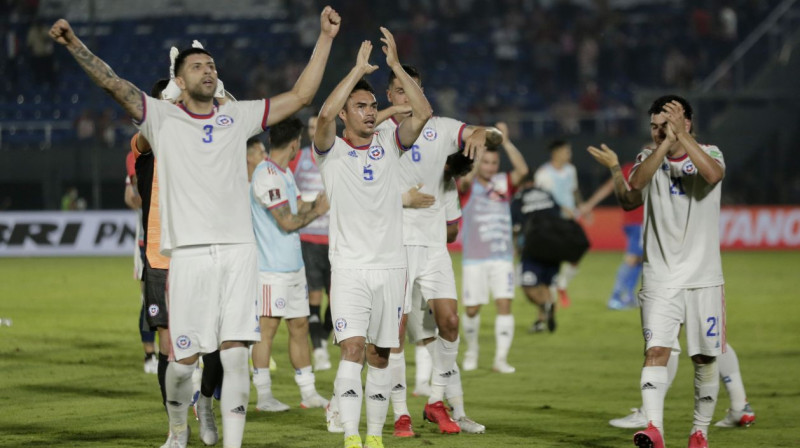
point(366, 207)
point(424, 164)
point(681, 224)
point(202, 170)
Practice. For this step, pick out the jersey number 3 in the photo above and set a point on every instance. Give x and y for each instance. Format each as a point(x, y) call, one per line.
point(208, 129)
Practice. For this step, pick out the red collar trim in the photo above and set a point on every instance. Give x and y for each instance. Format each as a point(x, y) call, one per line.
point(198, 116)
point(678, 159)
point(362, 147)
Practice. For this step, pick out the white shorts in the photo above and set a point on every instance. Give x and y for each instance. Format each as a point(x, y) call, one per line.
point(480, 278)
point(701, 310)
point(213, 294)
point(368, 303)
point(421, 324)
point(283, 294)
point(430, 271)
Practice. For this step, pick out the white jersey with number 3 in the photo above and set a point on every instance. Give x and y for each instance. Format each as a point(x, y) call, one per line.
point(366, 206)
point(681, 224)
point(424, 164)
point(202, 170)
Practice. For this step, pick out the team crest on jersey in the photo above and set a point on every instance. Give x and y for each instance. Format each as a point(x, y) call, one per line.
point(153, 310)
point(280, 304)
point(647, 334)
point(224, 120)
point(429, 134)
point(275, 194)
point(688, 168)
point(340, 324)
point(183, 342)
point(376, 152)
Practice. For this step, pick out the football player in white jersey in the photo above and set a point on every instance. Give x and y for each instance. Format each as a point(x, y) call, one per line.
point(488, 264)
point(560, 178)
point(368, 264)
point(205, 216)
point(278, 214)
point(682, 281)
point(431, 282)
point(740, 413)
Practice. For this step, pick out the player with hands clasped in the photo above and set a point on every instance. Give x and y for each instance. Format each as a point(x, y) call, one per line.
point(368, 266)
point(679, 181)
point(205, 213)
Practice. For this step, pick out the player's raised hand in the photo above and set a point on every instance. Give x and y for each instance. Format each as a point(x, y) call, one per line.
point(329, 22)
point(676, 119)
point(604, 155)
point(362, 60)
point(62, 33)
point(503, 128)
point(389, 48)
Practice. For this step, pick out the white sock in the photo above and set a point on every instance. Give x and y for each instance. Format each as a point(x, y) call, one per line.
point(444, 361)
point(305, 380)
point(349, 394)
point(503, 335)
point(424, 362)
point(262, 380)
point(672, 367)
point(706, 389)
point(654, 389)
point(397, 372)
point(178, 382)
point(729, 373)
point(455, 394)
point(568, 272)
point(235, 395)
point(472, 326)
point(378, 390)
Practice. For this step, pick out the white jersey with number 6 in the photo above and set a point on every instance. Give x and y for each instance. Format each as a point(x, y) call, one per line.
point(681, 224)
point(424, 164)
point(366, 207)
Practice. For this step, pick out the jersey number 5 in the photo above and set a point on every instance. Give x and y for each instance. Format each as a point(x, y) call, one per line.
point(368, 172)
point(208, 129)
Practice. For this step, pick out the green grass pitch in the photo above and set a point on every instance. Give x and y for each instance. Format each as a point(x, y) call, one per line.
point(71, 368)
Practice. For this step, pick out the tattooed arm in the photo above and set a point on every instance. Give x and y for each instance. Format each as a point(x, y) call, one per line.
point(123, 92)
point(306, 212)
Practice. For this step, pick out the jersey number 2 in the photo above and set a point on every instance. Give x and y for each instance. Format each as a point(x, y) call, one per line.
point(712, 330)
point(208, 130)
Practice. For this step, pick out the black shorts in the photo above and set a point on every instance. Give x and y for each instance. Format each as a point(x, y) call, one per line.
point(155, 296)
point(535, 273)
point(318, 265)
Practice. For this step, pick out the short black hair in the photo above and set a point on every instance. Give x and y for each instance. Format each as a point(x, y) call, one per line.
point(281, 134)
point(159, 87)
point(658, 105)
point(457, 165)
point(179, 61)
point(363, 84)
point(557, 143)
point(410, 69)
point(252, 141)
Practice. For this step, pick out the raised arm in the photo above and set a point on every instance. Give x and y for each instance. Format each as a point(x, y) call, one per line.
point(123, 92)
point(421, 112)
point(519, 165)
point(325, 135)
point(385, 114)
point(706, 166)
point(628, 199)
point(301, 95)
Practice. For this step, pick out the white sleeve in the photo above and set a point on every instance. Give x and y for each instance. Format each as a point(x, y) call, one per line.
point(152, 113)
point(269, 188)
point(646, 152)
point(452, 208)
point(449, 129)
point(715, 154)
point(253, 114)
